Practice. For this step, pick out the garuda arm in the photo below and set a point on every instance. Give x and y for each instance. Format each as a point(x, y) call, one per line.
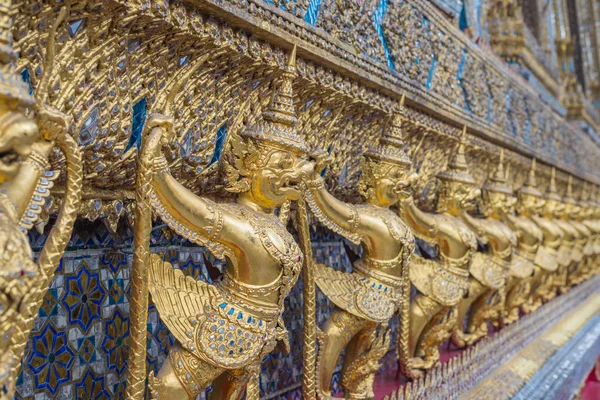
point(513, 223)
point(196, 218)
point(337, 215)
point(423, 224)
point(478, 226)
point(31, 186)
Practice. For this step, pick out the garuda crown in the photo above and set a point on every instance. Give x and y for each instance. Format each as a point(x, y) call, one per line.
point(278, 122)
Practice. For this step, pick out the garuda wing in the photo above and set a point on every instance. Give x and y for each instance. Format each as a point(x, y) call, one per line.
point(432, 279)
point(181, 301)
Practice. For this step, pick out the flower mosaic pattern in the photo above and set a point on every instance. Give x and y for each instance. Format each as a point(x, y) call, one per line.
point(83, 297)
point(50, 359)
point(115, 342)
point(91, 387)
point(97, 346)
point(50, 304)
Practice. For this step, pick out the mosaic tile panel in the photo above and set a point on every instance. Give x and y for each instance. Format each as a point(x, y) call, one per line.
point(78, 348)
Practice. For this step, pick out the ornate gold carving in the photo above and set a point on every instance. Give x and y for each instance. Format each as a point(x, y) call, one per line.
point(528, 279)
point(433, 310)
point(379, 284)
point(365, 352)
point(491, 269)
point(25, 184)
point(234, 324)
point(200, 74)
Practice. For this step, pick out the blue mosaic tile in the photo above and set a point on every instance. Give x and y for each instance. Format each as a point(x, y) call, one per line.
point(50, 304)
point(138, 121)
point(114, 261)
point(117, 289)
point(83, 297)
point(114, 345)
point(91, 387)
point(51, 359)
point(97, 341)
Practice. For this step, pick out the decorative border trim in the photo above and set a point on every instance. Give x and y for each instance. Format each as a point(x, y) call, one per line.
point(274, 25)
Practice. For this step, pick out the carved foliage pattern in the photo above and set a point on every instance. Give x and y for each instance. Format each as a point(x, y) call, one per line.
point(109, 57)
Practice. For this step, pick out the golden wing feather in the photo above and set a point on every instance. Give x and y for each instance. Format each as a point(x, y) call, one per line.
point(339, 287)
point(421, 272)
point(179, 299)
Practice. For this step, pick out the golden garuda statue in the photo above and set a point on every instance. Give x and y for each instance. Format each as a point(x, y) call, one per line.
point(224, 330)
point(379, 284)
point(531, 248)
point(553, 253)
point(583, 242)
point(570, 254)
point(25, 183)
point(443, 282)
point(489, 269)
point(595, 220)
point(526, 270)
point(588, 216)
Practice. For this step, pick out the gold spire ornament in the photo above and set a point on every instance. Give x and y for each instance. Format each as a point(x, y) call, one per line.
point(224, 330)
point(441, 282)
point(497, 181)
point(458, 169)
point(390, 147)
point(368, 297)
point(278, 123)
point(530, 184)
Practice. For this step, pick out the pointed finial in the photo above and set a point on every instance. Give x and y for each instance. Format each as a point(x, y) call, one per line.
point(391, 145)
point(500, 169)
point(278, 124)
point(497, 181)
point(570, 186)
point(585, 192)
point(291, 64)
point(531, 178)
point(458, 169)
point(530, 184)
point(569, 197)
point(551, 191)
point(552, 186)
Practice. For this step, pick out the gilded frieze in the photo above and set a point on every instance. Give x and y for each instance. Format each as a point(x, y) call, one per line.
point(396, 68)
point(195, 125)
point(136, 58)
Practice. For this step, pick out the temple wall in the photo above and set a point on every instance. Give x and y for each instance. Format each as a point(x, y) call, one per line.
point(115, 60)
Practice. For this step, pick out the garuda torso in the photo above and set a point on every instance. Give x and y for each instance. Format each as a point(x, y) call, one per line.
point(373, 290)
point(585, 240)
point(547, 256)
point(493, 267)
point(594, 226)
point(230, 323)
point(446, 280)
point(16, 272)
point(530, 237)
point(569, 250)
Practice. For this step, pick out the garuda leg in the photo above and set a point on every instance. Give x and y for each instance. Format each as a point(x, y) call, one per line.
point(361, 361)
point(182, 376)
point(339, 329)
